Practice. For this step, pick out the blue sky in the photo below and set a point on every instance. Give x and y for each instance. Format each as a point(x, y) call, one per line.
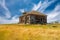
point(10, 10)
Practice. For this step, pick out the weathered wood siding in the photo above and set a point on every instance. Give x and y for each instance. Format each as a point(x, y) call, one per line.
point(33, 19)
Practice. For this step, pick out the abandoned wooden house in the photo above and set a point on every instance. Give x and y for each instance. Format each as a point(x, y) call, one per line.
point(33, 17)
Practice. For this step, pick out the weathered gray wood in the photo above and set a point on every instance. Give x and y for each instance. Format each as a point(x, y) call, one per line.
point(33, 18)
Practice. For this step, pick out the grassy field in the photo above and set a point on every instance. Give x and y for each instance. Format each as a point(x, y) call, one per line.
point(30, 32)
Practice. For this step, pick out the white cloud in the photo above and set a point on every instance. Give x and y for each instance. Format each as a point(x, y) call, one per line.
point(22, 10)
point(6, 21)
point(2, 3)
point(42, 6)
point(36, 7)
point(54, 14)
point(45, 4)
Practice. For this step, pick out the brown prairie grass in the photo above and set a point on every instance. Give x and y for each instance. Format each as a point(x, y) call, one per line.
point(29, 32)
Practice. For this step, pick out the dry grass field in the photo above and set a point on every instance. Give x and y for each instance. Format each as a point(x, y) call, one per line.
point(29, 32)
